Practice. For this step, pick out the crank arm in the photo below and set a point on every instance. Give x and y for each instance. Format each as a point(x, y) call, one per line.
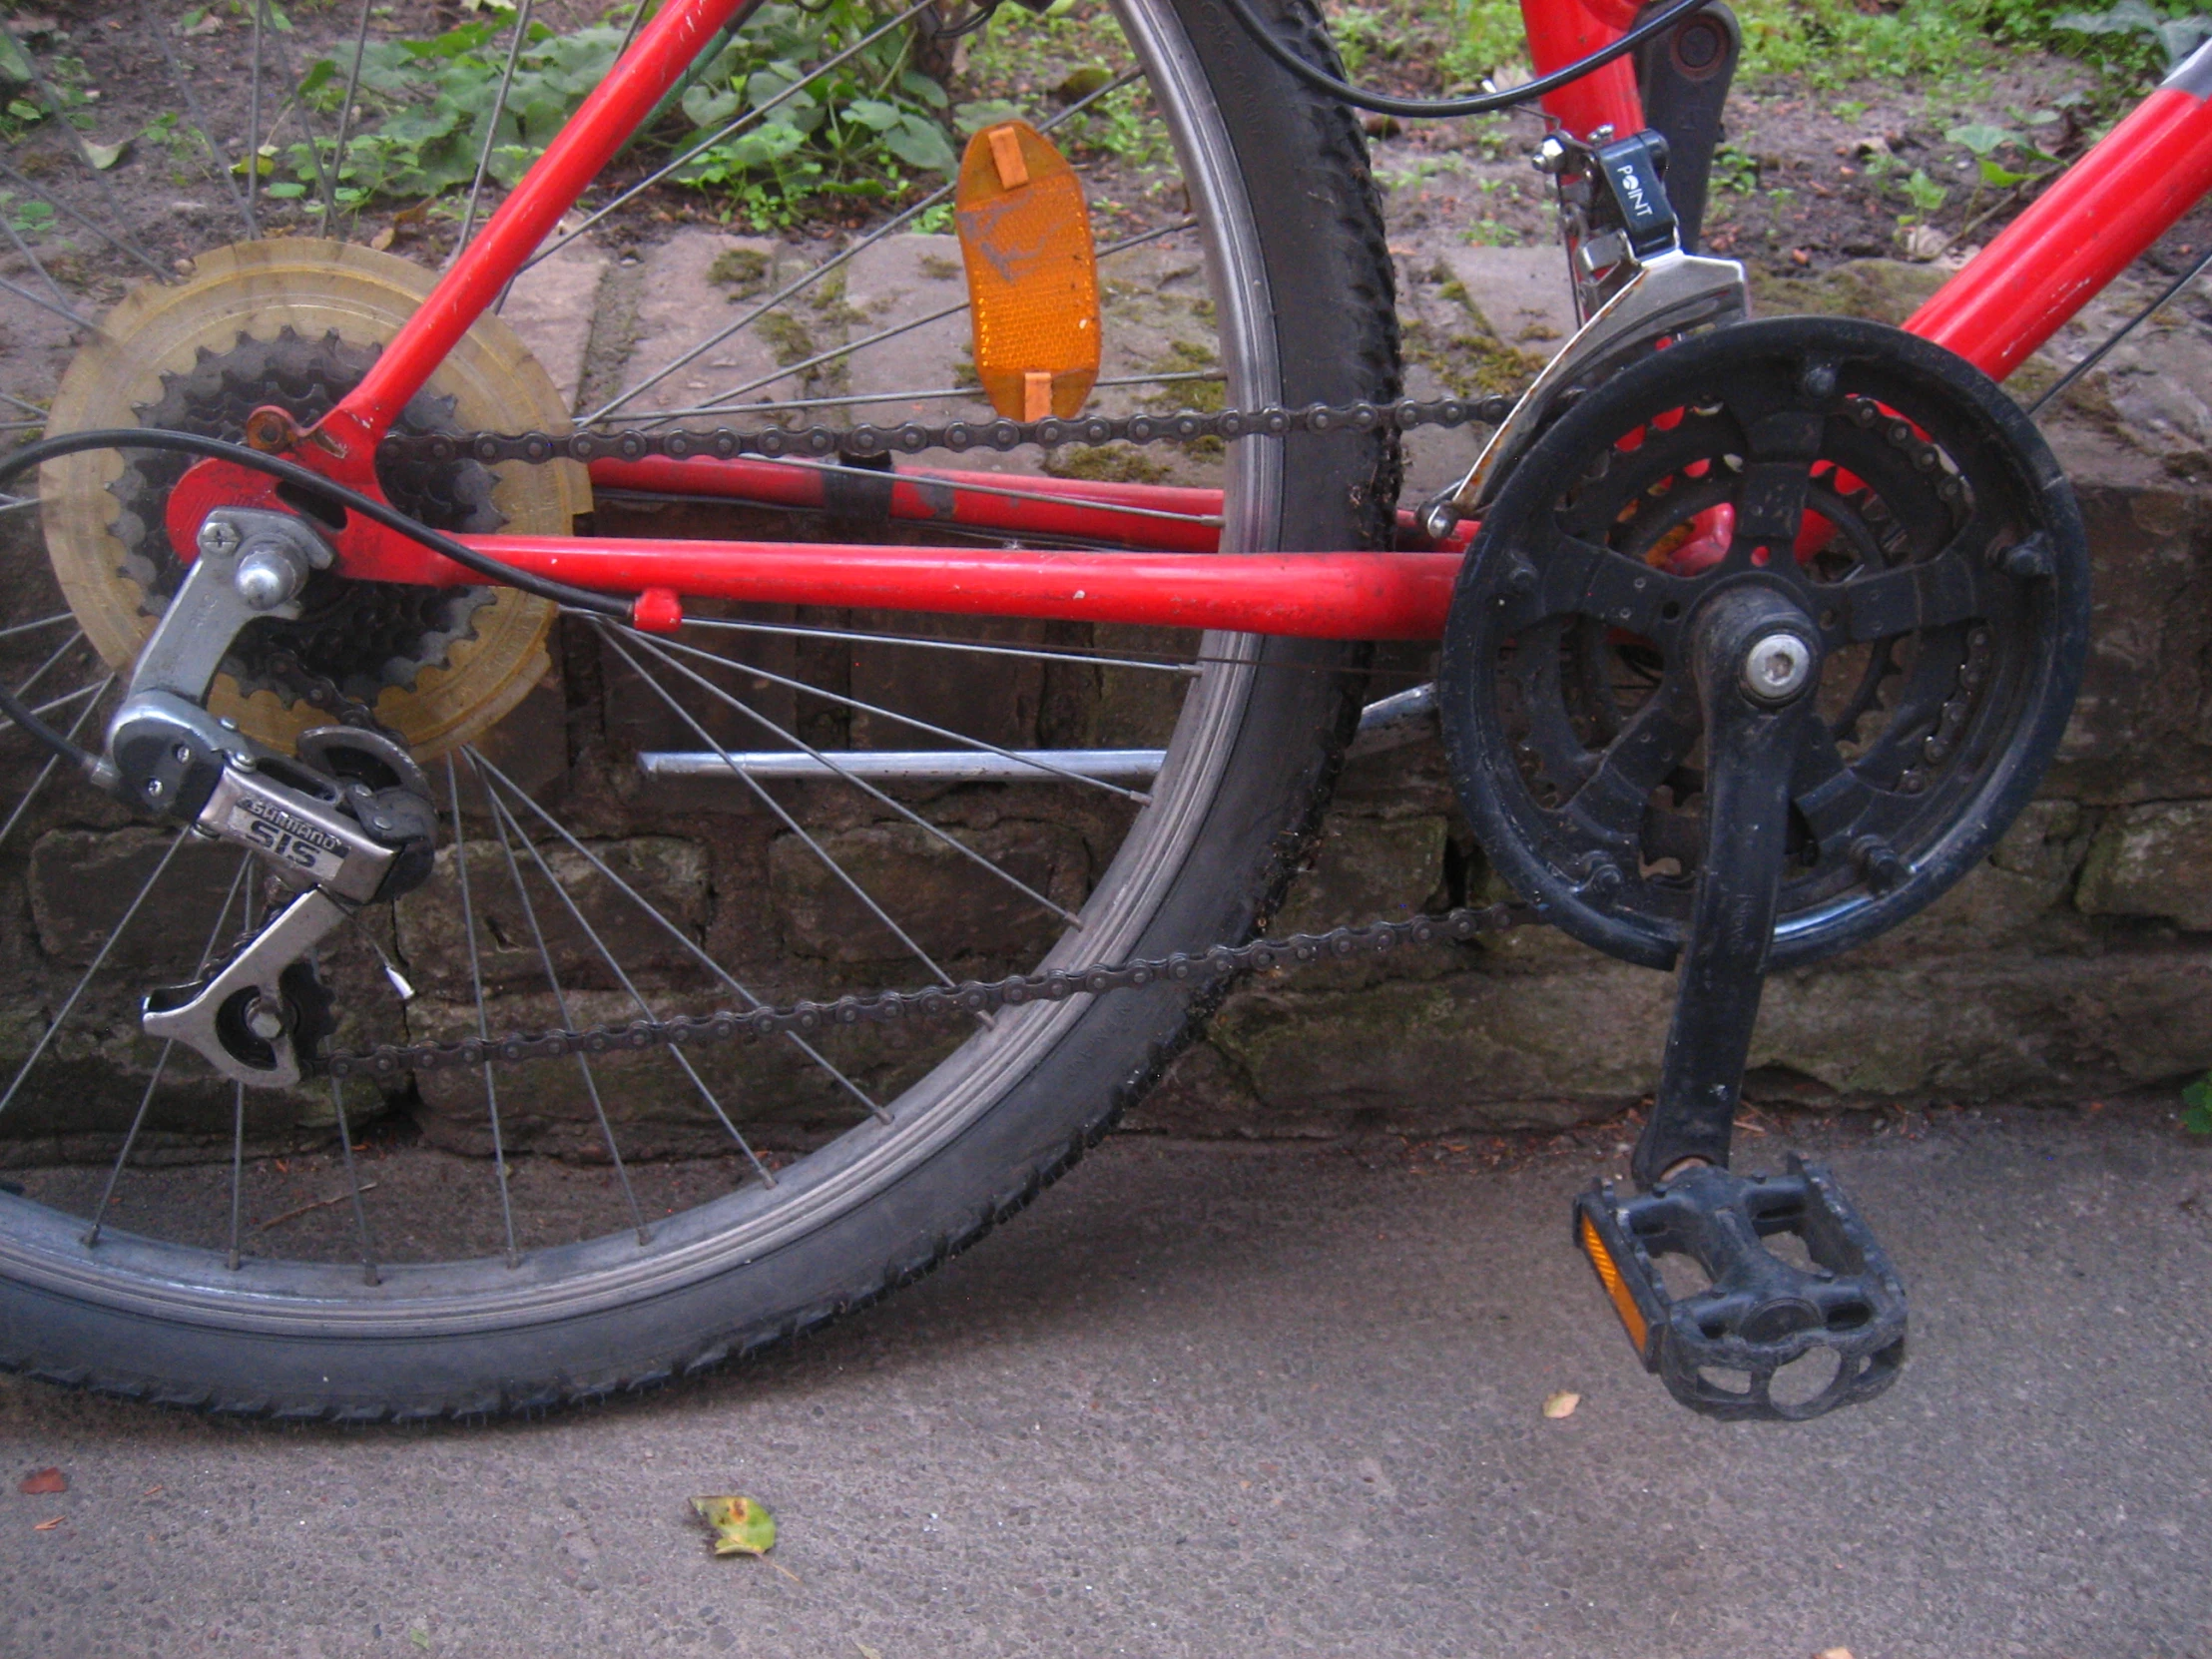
point(1756, 659)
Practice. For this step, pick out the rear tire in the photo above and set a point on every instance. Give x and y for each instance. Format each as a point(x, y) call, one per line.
point(1303, 284)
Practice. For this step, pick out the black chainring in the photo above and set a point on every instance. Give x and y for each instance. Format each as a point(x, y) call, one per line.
point(356, 637)
point(1892, 491)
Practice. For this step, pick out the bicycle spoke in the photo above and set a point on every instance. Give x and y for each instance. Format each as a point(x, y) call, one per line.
point(23, 247)
point(483, 1030)
point(346, 123)
point(859, 782)
point(76, 637)
point(1036, 652)
point(110, 238)
point(560, 1004)
point(99, 959)
point(159, 29)
point(506, 822)
point(973, 395)
point(751, 116)
point(253, 128)
point(719, 403)
point(799, 284)
point(63, 312)
point(161, 1064)
point(369, 1275)
point(776, 807)
point(29, 409)
point(683, 940)
point(960, 738)
point(46, 772)
point(491, 129)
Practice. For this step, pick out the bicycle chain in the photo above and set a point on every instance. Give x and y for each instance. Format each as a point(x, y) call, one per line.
point(806, 1017)
point(868, 442)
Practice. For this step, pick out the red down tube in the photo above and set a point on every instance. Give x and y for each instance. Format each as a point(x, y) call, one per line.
point(1327, 596)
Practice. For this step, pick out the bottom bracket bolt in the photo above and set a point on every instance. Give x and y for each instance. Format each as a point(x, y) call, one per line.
point(1776, 668)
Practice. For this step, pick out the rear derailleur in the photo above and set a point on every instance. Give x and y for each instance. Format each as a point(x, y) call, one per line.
point(348, 822)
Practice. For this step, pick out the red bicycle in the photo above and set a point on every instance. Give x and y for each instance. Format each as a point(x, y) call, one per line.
point(387, 790)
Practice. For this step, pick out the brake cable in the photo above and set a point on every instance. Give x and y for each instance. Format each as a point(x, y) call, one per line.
point(299, 477)
point(1481, 103)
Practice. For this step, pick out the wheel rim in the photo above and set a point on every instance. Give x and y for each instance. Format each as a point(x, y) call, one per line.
point(44, 1245)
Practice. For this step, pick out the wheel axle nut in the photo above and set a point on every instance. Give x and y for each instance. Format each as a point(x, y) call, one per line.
point(1776, 668)
point(265, 1019)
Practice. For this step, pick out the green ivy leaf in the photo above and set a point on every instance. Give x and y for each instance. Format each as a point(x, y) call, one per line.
point(2196, 1101)
point(920, 143)
point(1982, 138)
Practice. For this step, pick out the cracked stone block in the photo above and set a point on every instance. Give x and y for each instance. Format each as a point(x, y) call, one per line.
point(553, 306)
point(694, 286)
point(666, 872)
point(2142, 726)
point(1481, 1050)
point(895, 282)
point(1366, 868)
point(2152, 860)
point(82, 881)
point(944, 901)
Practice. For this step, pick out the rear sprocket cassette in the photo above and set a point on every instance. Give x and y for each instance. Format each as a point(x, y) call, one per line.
point(1885, 486)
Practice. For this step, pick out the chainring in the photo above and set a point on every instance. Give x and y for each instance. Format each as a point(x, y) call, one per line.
point(1896, 496)
point(295, 323)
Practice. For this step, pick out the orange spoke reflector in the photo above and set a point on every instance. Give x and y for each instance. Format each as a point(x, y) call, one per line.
point(1032, 273)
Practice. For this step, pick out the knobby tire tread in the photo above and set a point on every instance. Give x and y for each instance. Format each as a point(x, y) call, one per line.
point(1343, 209)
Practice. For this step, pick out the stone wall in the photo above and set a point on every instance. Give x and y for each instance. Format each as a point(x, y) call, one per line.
point(2077, 961)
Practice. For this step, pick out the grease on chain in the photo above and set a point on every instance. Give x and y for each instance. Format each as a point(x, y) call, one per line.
point(805, 1018)
point(868, 442)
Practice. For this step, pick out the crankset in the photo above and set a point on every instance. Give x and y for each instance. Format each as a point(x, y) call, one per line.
point(1761, 646)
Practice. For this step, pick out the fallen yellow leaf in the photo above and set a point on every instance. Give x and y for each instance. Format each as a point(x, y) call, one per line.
point(741, 1525)
point(46, 1525)
point(1832, 1653)
point(1561, 1405)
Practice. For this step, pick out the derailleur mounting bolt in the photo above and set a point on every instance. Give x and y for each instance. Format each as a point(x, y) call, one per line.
point(218, 538)
point(265, 1019)
point(1777, 667)
point(269, 577)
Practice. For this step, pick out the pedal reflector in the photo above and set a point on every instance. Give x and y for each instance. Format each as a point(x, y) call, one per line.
point(1032, 272)
point(1624, 1303)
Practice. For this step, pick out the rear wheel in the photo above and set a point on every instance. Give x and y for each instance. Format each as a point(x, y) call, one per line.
point(490, 1242)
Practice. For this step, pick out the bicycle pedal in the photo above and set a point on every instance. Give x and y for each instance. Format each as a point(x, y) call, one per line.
point(1719, 1348)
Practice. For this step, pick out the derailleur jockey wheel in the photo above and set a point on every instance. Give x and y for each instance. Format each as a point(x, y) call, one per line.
point(1878, 485)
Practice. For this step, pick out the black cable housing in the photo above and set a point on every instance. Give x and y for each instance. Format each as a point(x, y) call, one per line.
point(301, 478)
point(1488, 102)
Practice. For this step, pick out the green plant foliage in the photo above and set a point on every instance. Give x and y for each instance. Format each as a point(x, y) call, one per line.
point(2196, 1106)
point(770, 134)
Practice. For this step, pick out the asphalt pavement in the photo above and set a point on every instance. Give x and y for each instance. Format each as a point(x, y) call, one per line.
point(1216, 1401)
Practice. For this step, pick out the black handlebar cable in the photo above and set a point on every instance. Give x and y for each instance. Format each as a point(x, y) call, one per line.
point(313, 484)
point(1487, 103)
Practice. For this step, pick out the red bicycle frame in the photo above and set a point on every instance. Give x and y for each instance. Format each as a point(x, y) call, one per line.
point(2080, 234)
